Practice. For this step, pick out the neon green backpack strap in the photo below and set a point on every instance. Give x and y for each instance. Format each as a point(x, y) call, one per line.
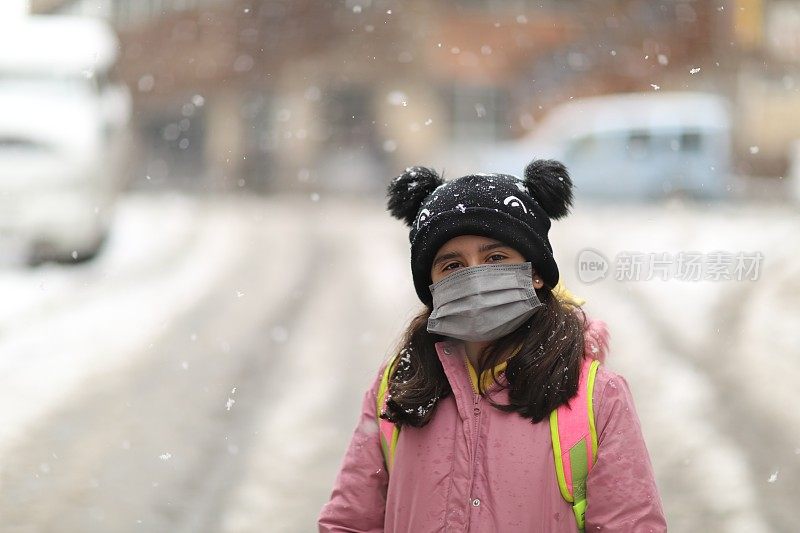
point(389, 432)
point(574, 436)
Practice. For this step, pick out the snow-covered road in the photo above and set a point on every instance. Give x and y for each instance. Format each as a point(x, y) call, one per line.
point(60, 327)
point(712, 364)
point(205, 373)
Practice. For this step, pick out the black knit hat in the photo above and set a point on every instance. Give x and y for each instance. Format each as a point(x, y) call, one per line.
point(512, 210)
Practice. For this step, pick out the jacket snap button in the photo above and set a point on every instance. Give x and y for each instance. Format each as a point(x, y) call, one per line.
point(447, 351)
point(476, 502)
point(477, 410)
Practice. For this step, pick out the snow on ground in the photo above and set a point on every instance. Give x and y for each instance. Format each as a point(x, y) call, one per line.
point(680, 365)
point(705, 472)
point(768, 348)
point(675, 403)
point(765, 347)
point(61, 325)
point(347, 330)
point(769, 351)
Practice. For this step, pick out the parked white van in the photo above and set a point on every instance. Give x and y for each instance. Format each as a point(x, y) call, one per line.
point(632, 146)
point(63, 137)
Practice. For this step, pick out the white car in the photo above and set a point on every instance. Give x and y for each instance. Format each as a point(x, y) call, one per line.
point(631, 146)
point(64, 137)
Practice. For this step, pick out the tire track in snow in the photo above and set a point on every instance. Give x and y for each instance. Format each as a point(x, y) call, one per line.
point(222, 470)
point(82, 283)
point(705, 482)
point(94, 465)
point(349, 328)
point(758, 433)
point(47, 360)
point(705, 471)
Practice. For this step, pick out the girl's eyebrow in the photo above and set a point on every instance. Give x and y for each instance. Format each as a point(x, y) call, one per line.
point(482, 248)
point(445, 257)
point(491, 246)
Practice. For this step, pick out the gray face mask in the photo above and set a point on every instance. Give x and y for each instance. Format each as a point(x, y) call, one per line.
point(483, 302)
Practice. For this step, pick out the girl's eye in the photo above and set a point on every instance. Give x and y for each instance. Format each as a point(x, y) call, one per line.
point(499, 257)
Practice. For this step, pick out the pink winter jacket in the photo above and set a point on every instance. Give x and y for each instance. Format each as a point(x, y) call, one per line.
point(475, 468)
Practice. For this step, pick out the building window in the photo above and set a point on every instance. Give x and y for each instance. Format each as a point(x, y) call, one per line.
point(350, 116)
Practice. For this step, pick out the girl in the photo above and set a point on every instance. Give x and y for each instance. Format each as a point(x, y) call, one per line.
point(546, 439)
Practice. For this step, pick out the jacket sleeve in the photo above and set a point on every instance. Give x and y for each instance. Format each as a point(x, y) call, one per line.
point(620, 489)
point(358, 499)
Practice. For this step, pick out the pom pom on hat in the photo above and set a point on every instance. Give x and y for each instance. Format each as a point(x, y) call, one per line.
point(548, 181)
point(407, 192)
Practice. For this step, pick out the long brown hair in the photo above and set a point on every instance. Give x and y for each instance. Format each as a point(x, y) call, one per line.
point(540, 377)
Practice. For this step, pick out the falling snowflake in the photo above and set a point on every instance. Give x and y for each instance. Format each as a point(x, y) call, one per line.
point(146, 83)
point(165, 456)
point(654, 86)
point(397, 98)
point(695, 70)
point(773, 477)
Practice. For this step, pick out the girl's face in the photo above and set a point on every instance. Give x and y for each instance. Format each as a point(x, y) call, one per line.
point(471, 250)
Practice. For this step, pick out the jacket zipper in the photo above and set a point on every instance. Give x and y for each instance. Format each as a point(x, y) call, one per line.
point(476, 411)
point(476, 417)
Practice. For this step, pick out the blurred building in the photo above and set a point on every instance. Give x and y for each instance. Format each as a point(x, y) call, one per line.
point(342, 94)
point(767, 36)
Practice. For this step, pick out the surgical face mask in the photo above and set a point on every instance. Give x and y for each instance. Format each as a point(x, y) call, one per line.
point(484, 302)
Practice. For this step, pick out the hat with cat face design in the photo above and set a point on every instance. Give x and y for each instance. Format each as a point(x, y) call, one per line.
point(515, 211)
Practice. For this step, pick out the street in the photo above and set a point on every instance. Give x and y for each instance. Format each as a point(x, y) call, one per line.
point(205, 372)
